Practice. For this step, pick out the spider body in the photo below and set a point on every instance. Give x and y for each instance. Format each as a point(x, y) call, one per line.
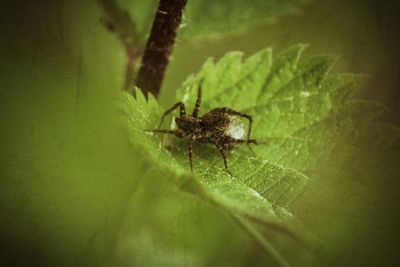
point(220, 127)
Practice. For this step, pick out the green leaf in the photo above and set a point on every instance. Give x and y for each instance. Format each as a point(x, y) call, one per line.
point(215, 186)
point(244, 196)
point(302, 118)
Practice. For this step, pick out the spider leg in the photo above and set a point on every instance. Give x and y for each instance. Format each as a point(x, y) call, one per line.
point(222, 152)
point(247, 142)
point(198, 103)
point(251, 141)
point(163, 131)
point(241, 114)
point(191, 154)
point(182, 111)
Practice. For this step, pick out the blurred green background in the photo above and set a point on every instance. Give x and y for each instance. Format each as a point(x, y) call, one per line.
point(73, 193)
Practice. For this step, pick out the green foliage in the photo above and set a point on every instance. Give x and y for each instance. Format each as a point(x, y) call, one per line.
point(75, 192)
point(235, 195)
point(298, 112)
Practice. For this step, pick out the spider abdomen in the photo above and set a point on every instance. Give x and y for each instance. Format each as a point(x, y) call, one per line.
point(223, 124)
point(221, 128)
point(235, 128)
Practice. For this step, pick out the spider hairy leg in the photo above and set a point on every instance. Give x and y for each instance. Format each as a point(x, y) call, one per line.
point(222, 152)
point(191, 153)
point(198, 103)
point(182, 111)
point(247, 142)
point(164, 131)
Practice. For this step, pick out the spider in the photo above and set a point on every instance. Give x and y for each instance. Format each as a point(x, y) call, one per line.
point(220, 127)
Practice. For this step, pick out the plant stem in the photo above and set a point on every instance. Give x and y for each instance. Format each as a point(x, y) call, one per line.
point(119, 22)
point(159, 45)
point(265, 244)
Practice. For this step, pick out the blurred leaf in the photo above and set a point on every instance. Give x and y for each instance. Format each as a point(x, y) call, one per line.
point(208, 18)
point(119, 21)
point(218, 17)
point(137, 13)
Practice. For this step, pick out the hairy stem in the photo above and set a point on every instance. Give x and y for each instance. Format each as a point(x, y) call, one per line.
point(159, 45)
